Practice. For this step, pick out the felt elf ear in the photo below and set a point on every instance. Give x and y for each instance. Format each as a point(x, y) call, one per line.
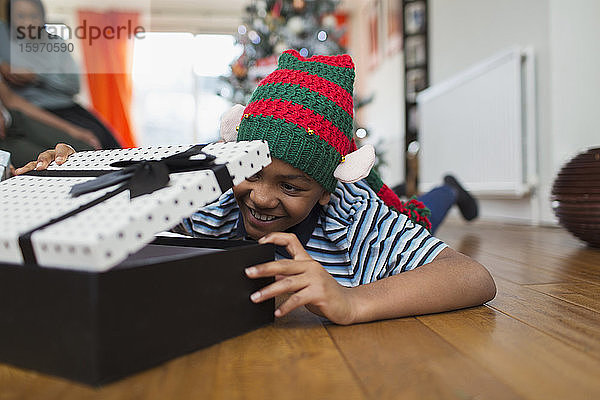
point(356, 165)
point(229, 123)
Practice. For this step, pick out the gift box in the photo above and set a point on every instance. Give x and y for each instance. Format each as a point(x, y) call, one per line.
point(87, 290)
point(43, 224)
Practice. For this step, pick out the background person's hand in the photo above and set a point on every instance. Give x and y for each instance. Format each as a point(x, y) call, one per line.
point(310, 284)
point(86, 136)
point(17, 76)
point(59, 155)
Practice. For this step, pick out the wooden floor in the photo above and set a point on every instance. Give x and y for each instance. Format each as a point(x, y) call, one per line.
point(538, 339)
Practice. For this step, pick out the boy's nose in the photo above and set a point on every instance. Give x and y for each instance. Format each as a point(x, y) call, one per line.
point(262, 197)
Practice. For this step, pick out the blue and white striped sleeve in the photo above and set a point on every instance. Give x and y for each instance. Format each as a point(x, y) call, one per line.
point(216, 220)
point(384, 242)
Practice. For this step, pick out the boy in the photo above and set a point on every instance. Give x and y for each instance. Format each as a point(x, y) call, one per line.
point(341, 246)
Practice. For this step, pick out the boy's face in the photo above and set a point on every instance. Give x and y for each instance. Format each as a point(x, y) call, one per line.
point(277, 198)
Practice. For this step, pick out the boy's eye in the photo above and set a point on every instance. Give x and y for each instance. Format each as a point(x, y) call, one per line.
point(289, 188)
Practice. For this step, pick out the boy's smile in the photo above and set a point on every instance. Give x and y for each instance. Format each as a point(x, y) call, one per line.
point(277, 198)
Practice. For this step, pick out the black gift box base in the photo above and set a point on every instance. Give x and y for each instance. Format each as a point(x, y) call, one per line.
point(175, 296)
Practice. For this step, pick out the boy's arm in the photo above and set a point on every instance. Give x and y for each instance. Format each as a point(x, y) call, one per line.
point(450, 282)
point(13, 101)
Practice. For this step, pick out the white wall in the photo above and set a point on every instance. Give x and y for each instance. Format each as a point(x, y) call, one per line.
point(384, 117)
point(575, 77)
point(565, 36)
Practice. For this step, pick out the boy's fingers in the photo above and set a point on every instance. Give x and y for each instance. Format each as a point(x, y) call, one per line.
point(30, 166)
point(289, 241)
point(62, 152)
point(290, 284)
point(298, 299)
point(274, 268)
point(44, 159)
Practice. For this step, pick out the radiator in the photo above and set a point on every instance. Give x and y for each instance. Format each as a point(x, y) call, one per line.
point(480, 126)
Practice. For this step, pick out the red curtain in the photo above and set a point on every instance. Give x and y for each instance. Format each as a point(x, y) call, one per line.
point(108, 62)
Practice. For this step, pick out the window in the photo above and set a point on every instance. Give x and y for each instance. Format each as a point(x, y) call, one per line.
point(176, 84)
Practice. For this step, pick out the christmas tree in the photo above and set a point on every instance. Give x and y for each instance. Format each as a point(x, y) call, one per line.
point(272, 26)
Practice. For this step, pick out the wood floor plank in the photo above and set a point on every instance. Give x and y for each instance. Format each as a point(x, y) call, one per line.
point(580, 293)
point(554, 237)
point(534, 364)
point(574, 325)
point(553, 250)
point(518, 272)
point(576, 264)
point(423, 365)
point(295, 353)
point(294, 358)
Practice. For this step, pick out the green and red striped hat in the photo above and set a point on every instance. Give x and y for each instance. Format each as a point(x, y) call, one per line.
point(304, 111)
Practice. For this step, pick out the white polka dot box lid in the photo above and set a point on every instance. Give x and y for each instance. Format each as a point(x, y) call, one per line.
point(99, 228)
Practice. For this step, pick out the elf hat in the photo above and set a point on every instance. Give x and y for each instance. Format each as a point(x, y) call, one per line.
point(304, 110)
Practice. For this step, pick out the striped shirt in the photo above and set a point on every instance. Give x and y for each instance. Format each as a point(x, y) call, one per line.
point(356, 237)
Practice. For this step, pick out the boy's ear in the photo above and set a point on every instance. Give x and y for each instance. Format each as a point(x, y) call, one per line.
point(357, 165)
point(229, 123)
point(324, 198)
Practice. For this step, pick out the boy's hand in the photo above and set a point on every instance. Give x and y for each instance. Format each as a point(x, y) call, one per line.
point(60, 154)
point(312, 286)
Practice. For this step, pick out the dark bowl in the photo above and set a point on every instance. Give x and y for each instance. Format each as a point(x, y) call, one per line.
point(576, 196)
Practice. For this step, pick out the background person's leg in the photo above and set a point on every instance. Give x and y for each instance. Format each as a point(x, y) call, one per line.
point(81, 117)
point(21, 150)
point(464, 200)
point(44, 136)
point(439, 200)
